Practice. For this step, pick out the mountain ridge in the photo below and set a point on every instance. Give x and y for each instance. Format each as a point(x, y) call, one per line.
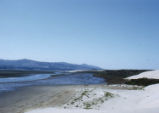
point(28, 64)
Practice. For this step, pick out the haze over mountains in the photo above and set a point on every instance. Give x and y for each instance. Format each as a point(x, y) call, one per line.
point(26, 64)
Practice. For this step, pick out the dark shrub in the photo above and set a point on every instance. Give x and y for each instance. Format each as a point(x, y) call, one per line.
point(142, 81)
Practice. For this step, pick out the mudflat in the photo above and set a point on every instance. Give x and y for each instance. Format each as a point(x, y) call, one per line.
point(34, 97)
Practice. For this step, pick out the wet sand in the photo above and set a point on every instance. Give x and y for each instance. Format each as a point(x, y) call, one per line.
point(34, 97)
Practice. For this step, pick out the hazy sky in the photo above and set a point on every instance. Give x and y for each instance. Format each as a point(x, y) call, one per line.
point(108, 33)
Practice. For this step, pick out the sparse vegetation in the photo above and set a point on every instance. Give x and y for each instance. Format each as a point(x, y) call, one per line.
point(88, 99)
point(87, 105)
point(142, 81)
point(108, 94)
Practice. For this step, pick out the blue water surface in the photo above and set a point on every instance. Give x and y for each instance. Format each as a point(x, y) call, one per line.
point(8, 84)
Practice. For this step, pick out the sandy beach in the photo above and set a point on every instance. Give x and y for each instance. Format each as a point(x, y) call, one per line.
point(102, 99)
point(34, 97)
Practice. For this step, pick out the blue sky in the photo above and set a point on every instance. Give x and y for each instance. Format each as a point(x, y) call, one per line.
point(112, 34)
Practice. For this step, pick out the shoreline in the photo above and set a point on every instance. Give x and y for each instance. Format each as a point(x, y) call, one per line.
point(74, 79)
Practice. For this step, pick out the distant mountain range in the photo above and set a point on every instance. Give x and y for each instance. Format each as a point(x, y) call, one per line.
point(26, 64)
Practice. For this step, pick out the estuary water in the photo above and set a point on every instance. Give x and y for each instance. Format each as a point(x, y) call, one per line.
point(12, 83)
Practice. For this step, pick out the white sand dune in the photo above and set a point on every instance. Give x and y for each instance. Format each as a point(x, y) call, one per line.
point(148, 74)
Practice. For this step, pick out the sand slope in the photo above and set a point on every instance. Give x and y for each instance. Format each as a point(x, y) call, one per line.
point(148, 74)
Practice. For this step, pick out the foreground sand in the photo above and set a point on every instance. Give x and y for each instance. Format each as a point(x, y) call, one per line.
point(34, 97)
point(123, 101)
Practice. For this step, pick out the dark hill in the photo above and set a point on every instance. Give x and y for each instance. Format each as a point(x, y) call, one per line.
point(26, 64)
